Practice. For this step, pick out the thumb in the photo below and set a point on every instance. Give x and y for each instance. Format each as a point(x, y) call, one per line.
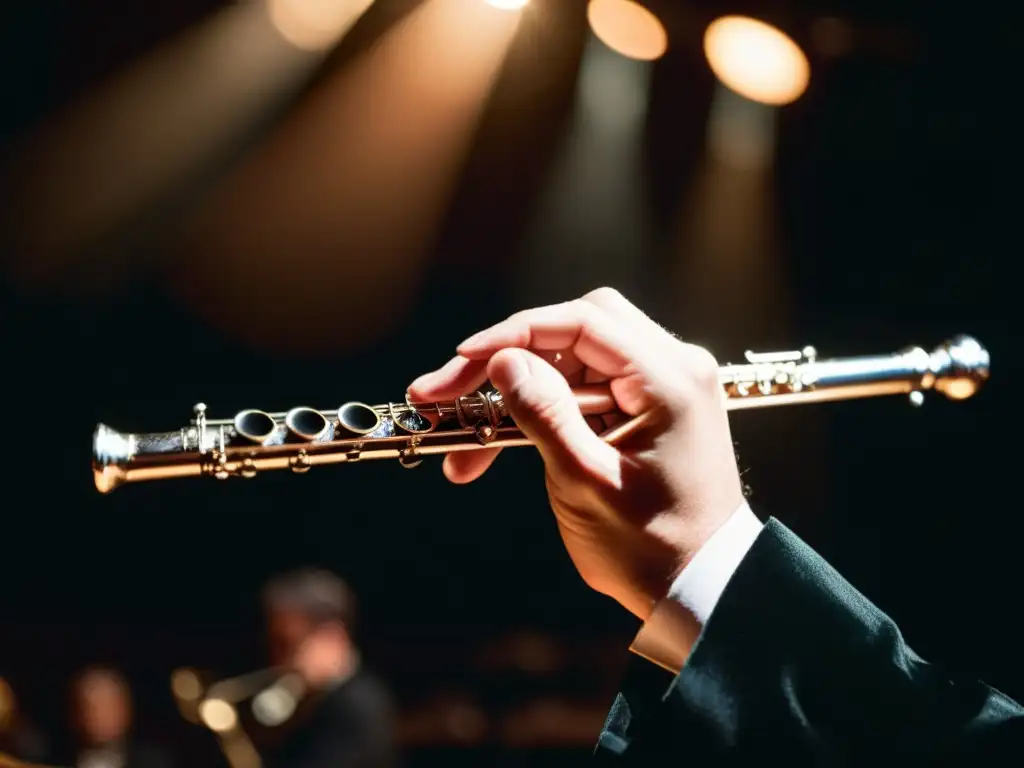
point(542, 404)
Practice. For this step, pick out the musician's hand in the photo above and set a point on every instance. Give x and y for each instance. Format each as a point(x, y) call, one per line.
point(631, 515)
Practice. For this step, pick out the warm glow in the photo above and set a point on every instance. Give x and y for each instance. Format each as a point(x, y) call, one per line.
point(185, 684)
point(628, 29)
point(756, 60)
point(367, 163)
point(6, 704)
point(314, 25)
point(218, 715)
point(508, 5)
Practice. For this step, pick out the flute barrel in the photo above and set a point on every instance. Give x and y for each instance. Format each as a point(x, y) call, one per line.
point(256, 441)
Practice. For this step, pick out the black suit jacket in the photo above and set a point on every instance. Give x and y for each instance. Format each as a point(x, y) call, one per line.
point(352, 726)
point(796, 666)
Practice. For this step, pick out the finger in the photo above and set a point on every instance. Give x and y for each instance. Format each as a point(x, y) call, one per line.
point(590, 376)
point(680, 360)
point(454, 379)
point(542, 404)
point(633, 394)
point(460, 376)
point(566, 363)
point(595, 337)
point(617, 305)
point(466, 466)
point(601, 424)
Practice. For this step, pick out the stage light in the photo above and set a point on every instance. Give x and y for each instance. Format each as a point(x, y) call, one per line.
point(508, 5)
point(756, 60)
point(315, 25)
point(628, 29)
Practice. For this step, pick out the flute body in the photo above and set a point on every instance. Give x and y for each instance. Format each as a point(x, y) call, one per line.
point(255, 441)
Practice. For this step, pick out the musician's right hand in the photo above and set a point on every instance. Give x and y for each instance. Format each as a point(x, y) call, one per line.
point(634, 514)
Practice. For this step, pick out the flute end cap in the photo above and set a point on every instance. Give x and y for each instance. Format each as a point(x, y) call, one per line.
point(961, 367)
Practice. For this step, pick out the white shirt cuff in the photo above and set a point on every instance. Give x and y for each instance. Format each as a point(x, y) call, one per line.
point(676, 622)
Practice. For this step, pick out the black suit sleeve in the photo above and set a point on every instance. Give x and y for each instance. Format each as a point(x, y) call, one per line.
point(795, 664)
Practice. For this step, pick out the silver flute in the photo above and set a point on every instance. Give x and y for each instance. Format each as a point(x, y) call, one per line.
point(256, 441)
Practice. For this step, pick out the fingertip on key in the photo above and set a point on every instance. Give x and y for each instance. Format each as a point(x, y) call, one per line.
point(417, 390)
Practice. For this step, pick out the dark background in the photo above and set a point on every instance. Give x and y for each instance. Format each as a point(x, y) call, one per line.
point(896, 226)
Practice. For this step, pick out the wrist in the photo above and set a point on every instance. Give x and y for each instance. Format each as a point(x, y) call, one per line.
point(673, 624)
point(701, 583)
point(676, 557)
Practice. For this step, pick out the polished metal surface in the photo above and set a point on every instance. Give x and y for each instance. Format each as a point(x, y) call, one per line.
point(256, 441)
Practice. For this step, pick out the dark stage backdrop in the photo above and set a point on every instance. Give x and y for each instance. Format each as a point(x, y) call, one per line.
point(897, 228)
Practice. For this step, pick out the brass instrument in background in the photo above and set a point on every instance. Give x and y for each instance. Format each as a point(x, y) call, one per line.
point(256, 441)
point(6, 761)
point(274, 695)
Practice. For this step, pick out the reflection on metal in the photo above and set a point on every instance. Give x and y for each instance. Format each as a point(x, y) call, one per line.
point(239, 750)
point(186, 685)
point(218, 715)
point(276, 704)
point(275, 696)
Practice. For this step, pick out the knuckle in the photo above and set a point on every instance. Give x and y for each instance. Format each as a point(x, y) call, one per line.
point(703, 367)
point(604, 295)
point(518, 324)
point(549, 409)
point(697, 376)
point(518, 317)
point(586, 312)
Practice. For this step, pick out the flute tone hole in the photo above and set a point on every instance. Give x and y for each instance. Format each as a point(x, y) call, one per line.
point(307, 423)
point(358, 418)
point(254, 425)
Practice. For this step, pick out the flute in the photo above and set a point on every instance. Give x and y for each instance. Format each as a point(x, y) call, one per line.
point(256, 441)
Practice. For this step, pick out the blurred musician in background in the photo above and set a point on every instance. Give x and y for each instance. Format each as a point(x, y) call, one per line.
point(102, 723)
point(310, 620)
point(19, 738)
